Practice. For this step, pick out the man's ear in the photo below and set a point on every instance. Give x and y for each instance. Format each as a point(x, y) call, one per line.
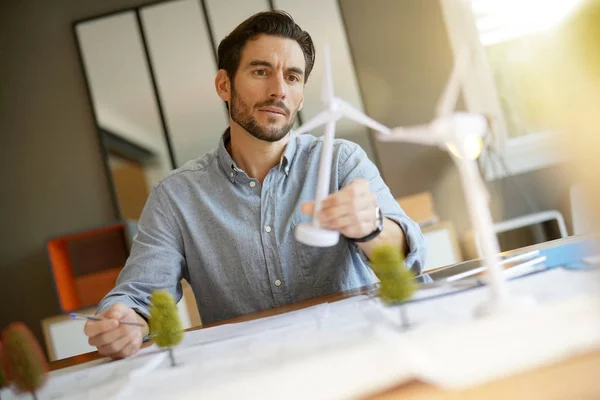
point(223, 85)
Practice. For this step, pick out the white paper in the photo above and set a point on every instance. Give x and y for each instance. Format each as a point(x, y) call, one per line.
point(357, 346)
point(467, 354)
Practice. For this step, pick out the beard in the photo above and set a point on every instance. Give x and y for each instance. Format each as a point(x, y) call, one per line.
point(241, 114)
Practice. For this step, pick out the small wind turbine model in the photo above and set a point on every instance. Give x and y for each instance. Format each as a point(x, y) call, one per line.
point(311, 233)
point(459, 133)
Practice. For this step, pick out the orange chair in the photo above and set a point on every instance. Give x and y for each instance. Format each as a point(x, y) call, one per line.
point(86, 265)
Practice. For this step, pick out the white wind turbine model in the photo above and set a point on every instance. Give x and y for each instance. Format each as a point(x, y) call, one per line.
point(460, 134)
point(311, 233)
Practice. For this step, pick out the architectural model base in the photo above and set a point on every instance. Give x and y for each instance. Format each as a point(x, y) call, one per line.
point(311, 235)
point(512, 303)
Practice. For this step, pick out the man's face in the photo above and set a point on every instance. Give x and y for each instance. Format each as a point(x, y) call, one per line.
point(268, 89)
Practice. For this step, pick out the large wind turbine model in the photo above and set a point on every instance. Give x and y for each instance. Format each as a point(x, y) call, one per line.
point(459, 133)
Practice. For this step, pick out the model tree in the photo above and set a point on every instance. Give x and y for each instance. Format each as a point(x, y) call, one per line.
point(3, 378)
point(165, 325)
point(24, 360)
point(397, 282)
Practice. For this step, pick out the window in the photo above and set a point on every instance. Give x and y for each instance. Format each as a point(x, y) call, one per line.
point(508, 40)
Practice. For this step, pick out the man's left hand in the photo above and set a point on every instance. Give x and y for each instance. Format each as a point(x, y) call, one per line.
point(350, 211)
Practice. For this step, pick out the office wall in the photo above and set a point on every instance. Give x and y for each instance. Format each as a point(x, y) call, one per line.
point(403, 58)
point(51, 170)
point(53, 176)
point(52, 173)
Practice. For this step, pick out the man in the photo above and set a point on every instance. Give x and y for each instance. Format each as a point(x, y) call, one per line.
point(225, 221)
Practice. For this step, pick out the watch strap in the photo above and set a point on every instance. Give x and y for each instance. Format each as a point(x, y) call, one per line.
point(373, 234)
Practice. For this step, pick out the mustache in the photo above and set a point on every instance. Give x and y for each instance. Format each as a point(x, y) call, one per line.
point(274, 103)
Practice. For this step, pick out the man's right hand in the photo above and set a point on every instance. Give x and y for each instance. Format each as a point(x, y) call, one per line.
point(113, 339)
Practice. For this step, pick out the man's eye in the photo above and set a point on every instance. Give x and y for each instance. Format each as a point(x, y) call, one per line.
point(260, 72)
point(293, 78)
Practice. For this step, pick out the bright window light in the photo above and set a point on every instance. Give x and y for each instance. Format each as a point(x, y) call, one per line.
point(502, 20)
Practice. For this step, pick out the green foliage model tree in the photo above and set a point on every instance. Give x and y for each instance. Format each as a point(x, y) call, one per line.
point(165, 325)
point(397, 283)
point(3, 377)
point(25, 362)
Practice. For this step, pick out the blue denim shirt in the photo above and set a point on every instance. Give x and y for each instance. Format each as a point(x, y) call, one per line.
point(232, 238)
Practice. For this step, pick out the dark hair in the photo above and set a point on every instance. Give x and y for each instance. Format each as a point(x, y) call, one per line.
point(276, 23)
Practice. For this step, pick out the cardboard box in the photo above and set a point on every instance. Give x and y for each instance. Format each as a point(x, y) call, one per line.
point(420, 208)
point(442, 245)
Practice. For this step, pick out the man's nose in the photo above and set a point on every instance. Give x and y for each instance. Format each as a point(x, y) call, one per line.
point(277, 87)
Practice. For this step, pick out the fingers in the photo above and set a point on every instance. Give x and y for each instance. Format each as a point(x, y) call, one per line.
point(117, 311)
point(128, 350)
point(364, 220)
point(308, 208)
point(350, 211)
point(333, 210)
point(349, 199)
point(348, 195)
point(123, 346)
point(115, 346)
point(357, 189)
point(111, 336)
point(95, 328)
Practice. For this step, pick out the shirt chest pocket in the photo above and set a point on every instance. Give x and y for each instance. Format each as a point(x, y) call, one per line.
point(321, 267)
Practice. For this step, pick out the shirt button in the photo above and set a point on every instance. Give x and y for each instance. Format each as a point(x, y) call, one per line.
point(277, 283)
point(231, 174)
point(268, 229)
point(252, 184)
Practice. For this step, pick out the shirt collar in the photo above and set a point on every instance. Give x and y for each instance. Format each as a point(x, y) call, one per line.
point(232, 170)
point(288, 154)
point(225, 159)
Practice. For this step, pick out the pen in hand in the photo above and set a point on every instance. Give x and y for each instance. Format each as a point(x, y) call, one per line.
point(94, 318)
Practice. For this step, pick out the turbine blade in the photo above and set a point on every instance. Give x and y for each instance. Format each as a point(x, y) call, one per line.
point(351, 112)
point(327, 94)
point(419, 134)
point(320, 119)
point(449, 97)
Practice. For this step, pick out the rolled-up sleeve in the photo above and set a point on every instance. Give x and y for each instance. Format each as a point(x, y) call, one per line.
point(355, 164)
point(156, 260)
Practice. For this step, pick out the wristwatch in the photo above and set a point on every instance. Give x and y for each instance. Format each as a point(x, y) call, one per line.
point(377, 230)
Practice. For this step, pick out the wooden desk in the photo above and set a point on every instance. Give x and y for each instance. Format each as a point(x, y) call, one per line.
point(576, 378)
